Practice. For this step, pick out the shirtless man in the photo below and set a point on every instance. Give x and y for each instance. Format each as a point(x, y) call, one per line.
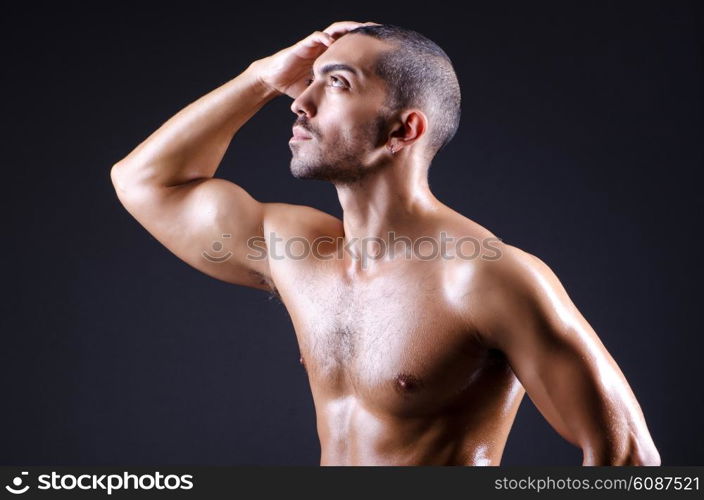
point(418, 359)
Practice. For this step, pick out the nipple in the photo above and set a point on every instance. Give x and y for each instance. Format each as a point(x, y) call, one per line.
point(406, 383)
point(302, 362)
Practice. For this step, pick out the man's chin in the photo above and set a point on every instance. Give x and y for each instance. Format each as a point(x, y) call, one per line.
point(313, 170)
point(310, 174)
point(325, 173)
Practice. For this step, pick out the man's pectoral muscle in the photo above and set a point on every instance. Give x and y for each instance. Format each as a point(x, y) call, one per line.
point(567, 372)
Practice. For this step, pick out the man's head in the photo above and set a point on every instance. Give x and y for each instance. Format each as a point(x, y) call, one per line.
point(376, 88)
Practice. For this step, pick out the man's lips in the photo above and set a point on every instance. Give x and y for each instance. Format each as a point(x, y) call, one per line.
point(299, 134)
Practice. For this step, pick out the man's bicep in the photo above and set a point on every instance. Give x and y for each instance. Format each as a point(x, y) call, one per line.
point(567, 374)
point(211, 224)
point(563, 365)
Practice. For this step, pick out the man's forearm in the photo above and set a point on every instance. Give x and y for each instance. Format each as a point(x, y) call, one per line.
point(191, 144)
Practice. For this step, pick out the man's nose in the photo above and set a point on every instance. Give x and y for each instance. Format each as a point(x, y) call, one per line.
point(303, 104)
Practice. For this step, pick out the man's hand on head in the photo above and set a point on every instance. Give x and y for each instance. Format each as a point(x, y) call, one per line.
point(287, 71)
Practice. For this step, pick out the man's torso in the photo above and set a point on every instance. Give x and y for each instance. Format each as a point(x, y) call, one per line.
point(398, 374)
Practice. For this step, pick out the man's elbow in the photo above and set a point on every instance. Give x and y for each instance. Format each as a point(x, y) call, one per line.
point(115, 178)
point(130, 183)
point(123, 178)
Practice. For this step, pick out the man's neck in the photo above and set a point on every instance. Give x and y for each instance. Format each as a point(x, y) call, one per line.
point(389, 203)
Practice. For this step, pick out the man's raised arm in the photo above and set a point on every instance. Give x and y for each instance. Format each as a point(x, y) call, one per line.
point(167, 183)
point(564, 367)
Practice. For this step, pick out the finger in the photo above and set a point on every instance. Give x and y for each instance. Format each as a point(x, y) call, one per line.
point(340, 24)
point(317, 38)
point(340, 28)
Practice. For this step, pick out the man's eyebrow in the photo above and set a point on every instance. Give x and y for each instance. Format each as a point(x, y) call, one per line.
point(328, 68)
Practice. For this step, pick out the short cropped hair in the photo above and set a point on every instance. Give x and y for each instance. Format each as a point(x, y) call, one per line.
point(419, 73)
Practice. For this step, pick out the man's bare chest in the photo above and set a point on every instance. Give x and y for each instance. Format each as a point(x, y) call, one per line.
point(393, 341)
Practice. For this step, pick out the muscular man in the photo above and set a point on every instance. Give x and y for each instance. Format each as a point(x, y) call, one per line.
point(420, 331)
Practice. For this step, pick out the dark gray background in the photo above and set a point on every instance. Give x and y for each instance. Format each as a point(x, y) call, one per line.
point(580, 142)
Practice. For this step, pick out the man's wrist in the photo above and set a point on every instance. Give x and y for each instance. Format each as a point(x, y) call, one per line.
point(254, 73)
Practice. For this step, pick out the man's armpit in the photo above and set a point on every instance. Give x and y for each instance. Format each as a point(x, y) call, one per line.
point(269, 284)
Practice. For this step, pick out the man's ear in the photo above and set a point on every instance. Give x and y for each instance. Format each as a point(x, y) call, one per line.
point(412, 124)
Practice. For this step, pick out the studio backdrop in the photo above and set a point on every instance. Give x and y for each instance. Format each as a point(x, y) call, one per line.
point(580, 142)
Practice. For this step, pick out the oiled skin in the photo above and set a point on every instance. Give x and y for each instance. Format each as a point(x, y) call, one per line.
point(410, 361)
point(398, 375)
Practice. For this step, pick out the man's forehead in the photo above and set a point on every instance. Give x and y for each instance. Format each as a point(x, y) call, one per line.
point(359, 52)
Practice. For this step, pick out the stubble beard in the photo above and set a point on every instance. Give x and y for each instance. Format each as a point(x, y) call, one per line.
point(341, 162)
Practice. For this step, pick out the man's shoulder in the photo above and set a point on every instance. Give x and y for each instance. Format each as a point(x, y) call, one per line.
point(467, 238)
point(512, 269)
point(494, 268)
point(516, 287)
point(492, 258)
point(513, 261)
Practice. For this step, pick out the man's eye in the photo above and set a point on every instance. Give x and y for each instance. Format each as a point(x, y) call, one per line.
point(334, 80)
